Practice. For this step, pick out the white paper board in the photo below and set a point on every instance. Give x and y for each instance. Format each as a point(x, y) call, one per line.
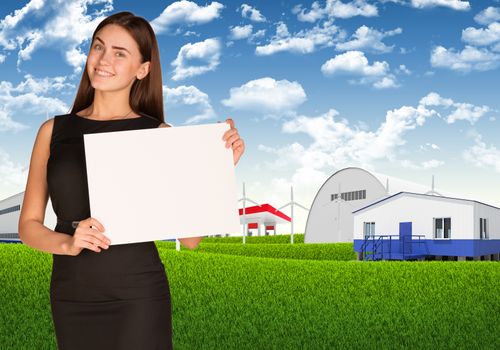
point(162, 183)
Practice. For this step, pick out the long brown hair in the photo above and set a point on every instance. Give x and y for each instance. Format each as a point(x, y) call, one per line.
point(146, 95)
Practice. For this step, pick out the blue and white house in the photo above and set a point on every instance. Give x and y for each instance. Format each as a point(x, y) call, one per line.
point(410, 225)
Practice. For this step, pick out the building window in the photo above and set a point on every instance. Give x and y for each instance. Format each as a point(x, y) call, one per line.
point(369, 229)
point(350, 196)
point(483, 228)
point(442, 227)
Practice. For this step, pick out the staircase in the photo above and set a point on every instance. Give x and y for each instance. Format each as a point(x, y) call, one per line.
point(390, 247)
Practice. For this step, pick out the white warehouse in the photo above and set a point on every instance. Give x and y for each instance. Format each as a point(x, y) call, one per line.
point(330, 218)
point(10, 209)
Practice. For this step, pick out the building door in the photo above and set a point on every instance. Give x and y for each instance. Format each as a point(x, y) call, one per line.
point(405, 246)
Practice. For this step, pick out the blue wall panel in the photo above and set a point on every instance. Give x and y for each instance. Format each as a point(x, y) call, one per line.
point(445, 247)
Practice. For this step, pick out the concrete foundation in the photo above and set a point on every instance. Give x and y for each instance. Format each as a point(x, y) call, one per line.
point(461, 258)
point(477, 258)
point(495, 257)
point(487, 257)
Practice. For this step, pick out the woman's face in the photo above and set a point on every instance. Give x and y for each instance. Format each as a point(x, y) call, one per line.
point(114, 60)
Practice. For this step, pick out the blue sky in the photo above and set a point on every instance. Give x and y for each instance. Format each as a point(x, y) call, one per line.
point(407, 88)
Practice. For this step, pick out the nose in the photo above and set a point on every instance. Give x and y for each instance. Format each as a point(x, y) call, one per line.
point(105, 57)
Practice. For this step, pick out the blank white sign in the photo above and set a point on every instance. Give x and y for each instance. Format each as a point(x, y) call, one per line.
point(162, 183)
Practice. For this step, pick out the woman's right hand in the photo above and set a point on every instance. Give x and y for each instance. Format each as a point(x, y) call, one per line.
point(88, 235)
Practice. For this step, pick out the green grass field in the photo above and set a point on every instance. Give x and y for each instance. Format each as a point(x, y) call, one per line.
point(229, 296)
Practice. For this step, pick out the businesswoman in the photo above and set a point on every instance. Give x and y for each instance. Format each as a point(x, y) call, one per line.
point(102, 297)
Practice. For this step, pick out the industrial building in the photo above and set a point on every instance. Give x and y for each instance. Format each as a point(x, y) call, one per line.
point(330, 218)
point(419, 226)
point(10, 209)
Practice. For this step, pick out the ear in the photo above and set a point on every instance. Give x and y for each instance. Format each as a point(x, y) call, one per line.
point(143, 70)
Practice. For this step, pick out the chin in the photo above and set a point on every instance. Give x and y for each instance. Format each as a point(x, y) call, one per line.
point(107, 87)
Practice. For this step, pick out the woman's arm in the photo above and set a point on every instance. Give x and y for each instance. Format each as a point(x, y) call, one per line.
point(32, 232)
point(191, 242)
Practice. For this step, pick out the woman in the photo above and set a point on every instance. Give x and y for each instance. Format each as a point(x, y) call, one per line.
point(102, 297)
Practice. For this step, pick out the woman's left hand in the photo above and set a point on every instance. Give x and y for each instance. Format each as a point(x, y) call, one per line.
point(233, 140)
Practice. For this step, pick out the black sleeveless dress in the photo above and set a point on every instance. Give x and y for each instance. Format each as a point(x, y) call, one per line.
point(119, 298)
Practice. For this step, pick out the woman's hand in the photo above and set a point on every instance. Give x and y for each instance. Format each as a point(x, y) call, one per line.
point(233, 140)
point(86, 236)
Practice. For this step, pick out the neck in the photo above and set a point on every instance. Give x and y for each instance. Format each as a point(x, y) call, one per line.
point(110, 105)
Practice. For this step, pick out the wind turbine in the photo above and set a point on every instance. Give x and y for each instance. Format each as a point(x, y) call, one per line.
point(291, 204)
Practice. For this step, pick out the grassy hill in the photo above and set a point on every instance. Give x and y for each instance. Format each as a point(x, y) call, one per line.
point(230, 296)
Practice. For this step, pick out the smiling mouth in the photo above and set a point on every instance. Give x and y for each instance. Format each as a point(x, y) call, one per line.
point(102, 73)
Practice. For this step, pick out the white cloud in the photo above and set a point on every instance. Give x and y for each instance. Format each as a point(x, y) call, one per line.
point(190, 32)
point(429, 145)
point(258, 34)
point(403, 70)
point(245, 32)
point(25, 99)
point(434, 99)
point(207, 51)
point(482, 36)
point(240, 32)
point(470, 58)
point(355, 63)
point(386, 83)
point(275, 97)
point(462, 111)
point(366, 38)
point(422, 4)
point(38, 86)
point(2, 58)
point(428, 164)
point(10, 22)
point(336, 144)
point(335, 8)
point(8, 124)
point(67, 25)
point(12, 176)
point(467, 111)
point(305, 41)
point(252, 13)
point(190, 96)
point(482, 155)
point(185, 12)
point(488, 15)
point(453, 4)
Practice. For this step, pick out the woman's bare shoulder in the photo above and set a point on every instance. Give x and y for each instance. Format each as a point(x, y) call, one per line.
point(45, 131)
point(164, 125)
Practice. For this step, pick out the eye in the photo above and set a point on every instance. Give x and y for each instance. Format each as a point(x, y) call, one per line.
point(120, 54)
point(97, 46)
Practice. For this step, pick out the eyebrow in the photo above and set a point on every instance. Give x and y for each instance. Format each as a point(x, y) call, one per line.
point(114, 47)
